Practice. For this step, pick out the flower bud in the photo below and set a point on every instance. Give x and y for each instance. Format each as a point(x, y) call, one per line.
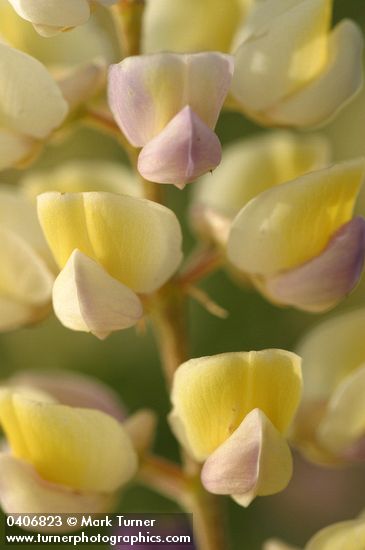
point(169, 104)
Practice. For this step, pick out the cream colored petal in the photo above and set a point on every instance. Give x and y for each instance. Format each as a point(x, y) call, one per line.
point(146, 92)
point(211, 25)
point(72, 388)
point(138, 242)
point(254, 461)
point(23, 491)
point(81, 176)
point(86, 298)
point(66, 445)
point(30, 100)
point(53, 13)
point(331, 351)
point(344, 420)
point(141, 428)
point(333, 88)
point(82, 83)
point(14, 148)
point(250, 166)
point(281, 54)
point(212, 395)
point(18, 215)
point(289, 224)
point(347, 535)
point(24, 275)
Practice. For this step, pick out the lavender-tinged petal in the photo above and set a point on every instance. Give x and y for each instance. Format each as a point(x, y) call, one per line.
point(183, 151)
point(321, 283)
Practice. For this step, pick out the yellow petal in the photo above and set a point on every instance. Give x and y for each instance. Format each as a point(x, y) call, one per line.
point(344, 419)
point(340, 80)
point(68, 445)
point(23, 491)
point(254, 461)
point(81, 176)
point(86, 298)
point(250, 166)
point(191, 25)
point(30, 100)
point(138, 242)
point(330, 352)
point(347, 535)
point(289, 224)
point(212, 395)
point(285, 48)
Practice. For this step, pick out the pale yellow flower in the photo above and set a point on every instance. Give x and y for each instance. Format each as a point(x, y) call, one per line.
point(330, 426)
point(232, 412)
point(298, 242)
point(111, 249)
point(61, 457)
point(291, 69)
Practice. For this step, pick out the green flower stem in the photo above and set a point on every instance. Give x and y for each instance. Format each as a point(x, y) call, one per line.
point(167, 311)
point(169, 480)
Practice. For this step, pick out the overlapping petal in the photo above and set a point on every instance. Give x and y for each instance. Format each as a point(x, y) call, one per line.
point(50, 16)
point(291, 69)
point(330, 425)
point(23, 491)
point(77, 459)
point(184, 150)
point(212, 395)
point(250, 166)
point(254, 461)
point(138, 242)
point(30, 101)
point(191, 25)
point(146, 92)
point(87, 298)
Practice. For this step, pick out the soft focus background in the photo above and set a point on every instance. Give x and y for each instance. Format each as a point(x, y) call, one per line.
point(129, 362)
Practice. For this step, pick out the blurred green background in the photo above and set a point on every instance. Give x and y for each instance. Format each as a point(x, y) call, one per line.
point(129, 362)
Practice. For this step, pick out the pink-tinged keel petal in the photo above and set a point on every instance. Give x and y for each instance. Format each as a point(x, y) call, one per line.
point(87, 298)
point(74, 389)
point(145, 92)
point(23, 491)
point(321, 283)
point(183, 151)
point(254, 460)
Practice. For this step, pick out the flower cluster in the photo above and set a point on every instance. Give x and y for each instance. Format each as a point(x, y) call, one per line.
point(100, 244)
